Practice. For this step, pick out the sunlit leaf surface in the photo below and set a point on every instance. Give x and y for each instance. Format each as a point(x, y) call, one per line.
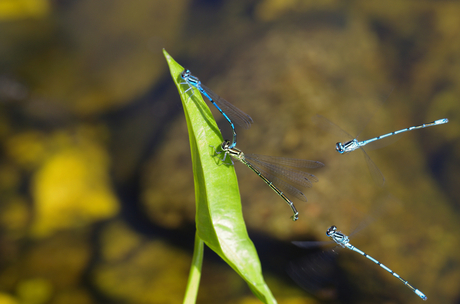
point(219, 218)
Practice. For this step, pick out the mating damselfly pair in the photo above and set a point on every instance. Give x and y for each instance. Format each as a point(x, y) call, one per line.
point(285, 176)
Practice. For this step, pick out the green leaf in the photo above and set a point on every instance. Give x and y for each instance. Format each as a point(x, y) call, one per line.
point(219, 218)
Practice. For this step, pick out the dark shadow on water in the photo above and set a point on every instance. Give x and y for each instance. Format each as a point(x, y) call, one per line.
point(441, 164)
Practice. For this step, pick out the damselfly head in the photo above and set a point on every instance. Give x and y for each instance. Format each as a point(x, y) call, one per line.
point(185, 74)
point(339, 147)
point(225, 145)
point(331, 231)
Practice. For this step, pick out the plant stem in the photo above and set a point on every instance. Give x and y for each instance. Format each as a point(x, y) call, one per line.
point(195, 272)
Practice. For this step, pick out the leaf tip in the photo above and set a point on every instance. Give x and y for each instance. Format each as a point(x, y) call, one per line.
point(167, 56)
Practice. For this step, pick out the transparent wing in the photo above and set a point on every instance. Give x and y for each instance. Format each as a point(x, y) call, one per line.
point(361, 225)
point(314, 271)
point(282, 185)
point(384, 98)
point(290, 175)
point(376, 174)
point(380, 206)
point(290, 162)
point(327, 125)
point(312, 244)
point(236, 115)
point(288, 180)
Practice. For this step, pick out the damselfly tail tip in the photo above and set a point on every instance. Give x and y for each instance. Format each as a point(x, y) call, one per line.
point(421, 295)
point(229, 145)
point(295, 217)
point(441, 121)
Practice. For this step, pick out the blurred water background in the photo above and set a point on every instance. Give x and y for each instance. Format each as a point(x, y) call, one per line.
point(96, 188)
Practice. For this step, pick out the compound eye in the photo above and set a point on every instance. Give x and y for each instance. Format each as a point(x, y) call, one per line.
point(225, 145)
point(339, 147)
point(185, 73)
point(331, 230)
